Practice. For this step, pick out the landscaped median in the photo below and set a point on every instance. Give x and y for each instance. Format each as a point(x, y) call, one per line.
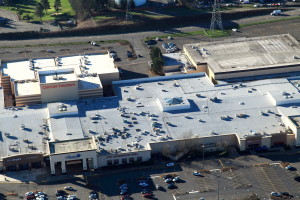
point(216, 33)
point(269, 21)
point(204, 32)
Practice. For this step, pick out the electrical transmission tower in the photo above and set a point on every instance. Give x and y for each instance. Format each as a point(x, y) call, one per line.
point(216, 19)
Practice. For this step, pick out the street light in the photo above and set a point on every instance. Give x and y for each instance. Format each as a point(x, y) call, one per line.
point(203, 155)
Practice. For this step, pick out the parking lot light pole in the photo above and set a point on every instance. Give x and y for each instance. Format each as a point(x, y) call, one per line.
point(203, 155)
point(218, 188)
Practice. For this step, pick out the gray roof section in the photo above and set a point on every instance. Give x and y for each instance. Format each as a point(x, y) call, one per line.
point(84, 144)
point(240, 54)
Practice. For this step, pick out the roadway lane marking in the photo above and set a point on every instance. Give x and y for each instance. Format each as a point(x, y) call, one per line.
point(174, 197)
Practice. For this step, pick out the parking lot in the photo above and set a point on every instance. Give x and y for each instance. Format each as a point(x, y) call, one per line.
point(131, 68)
point(227, 178)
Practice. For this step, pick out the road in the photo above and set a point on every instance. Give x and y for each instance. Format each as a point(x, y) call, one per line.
point(135, 38)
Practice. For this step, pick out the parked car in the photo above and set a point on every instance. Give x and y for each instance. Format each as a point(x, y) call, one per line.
point(165, 46)
point(170, 164)
point(167, 176)
point(286, 194)
point(72, 197)
point(93, 195)
point(150, 42)
point(29, 193)
point(60, 193)
point(168, 180)
point(159, 187)
point(176, 179)
point(195, 173)
point(171, 186)
point(129, 54)
point(148, 195)
point(69, 188)
point(289, 167)
point(275, 194)
point(61, 198)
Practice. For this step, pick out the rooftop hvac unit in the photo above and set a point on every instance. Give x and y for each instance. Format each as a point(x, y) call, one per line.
point(22, 127)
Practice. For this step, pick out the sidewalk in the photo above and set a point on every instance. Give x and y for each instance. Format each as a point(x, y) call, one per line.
point(22, 176)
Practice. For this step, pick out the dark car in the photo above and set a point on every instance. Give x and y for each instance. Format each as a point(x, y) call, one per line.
point(93, 195)
point(150, 42)
point(286, 194)
point(60, 193)
point(159, 187)
point(129, 54)
point(148, 195)
point(171, 186)
point(167, 176)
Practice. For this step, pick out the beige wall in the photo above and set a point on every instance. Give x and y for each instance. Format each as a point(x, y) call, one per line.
point(106, 79)
point(59, 91)
point(190, 58)
point(102, 159)
point(211, 143)
point(290, 139)
point(256, 73)
point(288, 123)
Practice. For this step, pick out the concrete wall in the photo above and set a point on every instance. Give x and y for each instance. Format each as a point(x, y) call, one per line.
point(262, 71)
point(55, 158)
point(102, 159)
point(108, 78)
point(211, 143)
point(59, 91)
point(296, 132)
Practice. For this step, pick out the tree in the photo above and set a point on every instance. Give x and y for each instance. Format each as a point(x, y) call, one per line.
point(157, 66)
point(27, 17)
point(7, 2)
point(157, 60)
point(46, 5)
point(57, 5)
point(39, 10)
point(131, 4)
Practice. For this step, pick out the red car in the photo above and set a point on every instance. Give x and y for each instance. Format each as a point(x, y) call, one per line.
point(148, 195)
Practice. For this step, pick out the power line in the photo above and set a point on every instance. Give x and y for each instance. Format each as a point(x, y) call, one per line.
point(216, 19)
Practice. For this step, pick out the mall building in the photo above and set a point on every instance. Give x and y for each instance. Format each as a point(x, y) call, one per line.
point(169, 115)
point(241, 59)
point(56, 79)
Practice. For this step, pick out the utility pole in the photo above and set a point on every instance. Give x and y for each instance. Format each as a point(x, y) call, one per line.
point(218, 187)
point(216, 19)
point(203, 155)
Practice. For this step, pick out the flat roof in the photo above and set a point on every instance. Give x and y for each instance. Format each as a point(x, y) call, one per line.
point(21, 130)
point(28, 88)
point(58, 77)
point(295, 120)
point(175, 59)
point(239, 54)
point(86, 83)
point(64, 121)
point(84, 144)
point(134, 115)
point(86, 69)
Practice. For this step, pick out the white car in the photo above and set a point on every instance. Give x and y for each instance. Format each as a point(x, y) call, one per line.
point(275, 194)
point(69, 188)
point(289, 167)
point(72, 197)
point(28, 194)
point(170, 164)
